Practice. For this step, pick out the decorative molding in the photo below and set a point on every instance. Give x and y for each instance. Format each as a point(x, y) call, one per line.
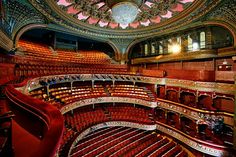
point(196, 114)
point(5, 41)
point(97, 100)
point(211, 149)
point(204, 147)
point(213, 87)
point(20, 15)
point(187, 18)
point(110, 124)
point(176, 57)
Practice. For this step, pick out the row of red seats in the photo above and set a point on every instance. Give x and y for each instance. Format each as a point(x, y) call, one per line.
point(193, 129)
point(37, 50)
point(113, 141)
point(129, 114)
point(92, 139)
point(125, 143)
point(101, 142)
point(131, 91)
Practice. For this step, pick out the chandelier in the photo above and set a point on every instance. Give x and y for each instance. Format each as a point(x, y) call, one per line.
point(124, 11)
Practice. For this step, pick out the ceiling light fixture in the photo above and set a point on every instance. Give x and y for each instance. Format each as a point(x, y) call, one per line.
point(124, 11)
point(176, 48)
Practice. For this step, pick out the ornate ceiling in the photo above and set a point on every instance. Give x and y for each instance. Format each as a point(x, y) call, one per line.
point(92, 18)
point(98, 12)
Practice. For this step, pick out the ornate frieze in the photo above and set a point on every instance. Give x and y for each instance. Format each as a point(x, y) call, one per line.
point(194, 12)
point(211, 149)
point(90, 101)
point(19, 15)
point(213, 87)
point(196, 114)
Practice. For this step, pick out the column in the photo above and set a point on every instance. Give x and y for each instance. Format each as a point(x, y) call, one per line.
point(47, 90)
point(113, 83)
point(209, 40)
point(196, 97)
point(92, 83)
point(155, 88)
point(71, 86)
point(184, 44)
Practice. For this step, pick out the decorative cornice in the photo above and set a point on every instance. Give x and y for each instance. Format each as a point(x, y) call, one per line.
point(213, 87)
point(20, 15)
point(199, 9)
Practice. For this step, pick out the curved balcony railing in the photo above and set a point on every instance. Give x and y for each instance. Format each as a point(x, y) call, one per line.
point(98, 100)
point(202, 146)
point(50, 118)
point(193, 113)
point(223, 88)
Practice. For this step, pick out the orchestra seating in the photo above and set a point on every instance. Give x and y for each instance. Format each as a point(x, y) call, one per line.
point(126, 112)
point(39, 60)
point(131, 91)
point(124, 141)
point(63, 95)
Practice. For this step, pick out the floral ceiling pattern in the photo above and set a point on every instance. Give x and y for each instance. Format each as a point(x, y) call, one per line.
point(98, 13)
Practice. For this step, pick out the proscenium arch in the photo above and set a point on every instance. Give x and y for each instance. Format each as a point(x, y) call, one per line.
point(25, 29)
point(223, 24)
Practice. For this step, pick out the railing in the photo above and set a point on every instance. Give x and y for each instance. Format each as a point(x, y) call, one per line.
point(223, 88)
point(202, 146)
point(50, 118)
point(90, 101)
point(193, 113)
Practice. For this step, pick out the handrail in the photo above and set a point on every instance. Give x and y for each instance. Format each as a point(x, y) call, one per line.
point(196, 109)
point(200, 145)
point(198, 113)
point(224, 88)
point(49, 115)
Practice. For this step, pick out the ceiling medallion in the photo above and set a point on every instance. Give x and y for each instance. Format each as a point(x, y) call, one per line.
point(123, 14)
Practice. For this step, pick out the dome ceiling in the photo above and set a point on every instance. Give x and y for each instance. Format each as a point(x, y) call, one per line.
point(98, 13)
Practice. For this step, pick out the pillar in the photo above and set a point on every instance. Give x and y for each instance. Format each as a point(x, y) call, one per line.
point(196, 97)
point(209, 40)
point(113, 83)
point(92, 84)
point(155, 88)
point(47, 90)
point(184, 44)
point(71, 86)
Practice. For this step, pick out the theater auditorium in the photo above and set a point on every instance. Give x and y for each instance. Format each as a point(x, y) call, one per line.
point(117, 78)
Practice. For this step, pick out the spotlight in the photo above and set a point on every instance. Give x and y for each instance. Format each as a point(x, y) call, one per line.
point(195, 46)
point(176, 48)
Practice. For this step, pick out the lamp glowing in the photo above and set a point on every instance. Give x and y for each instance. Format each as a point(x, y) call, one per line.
point(176, 48)
point(195, 46)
